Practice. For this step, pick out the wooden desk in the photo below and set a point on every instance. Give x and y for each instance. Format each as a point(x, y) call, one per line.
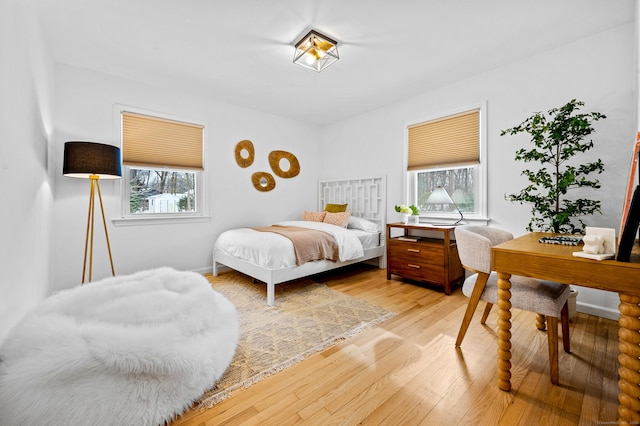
point(526, 256)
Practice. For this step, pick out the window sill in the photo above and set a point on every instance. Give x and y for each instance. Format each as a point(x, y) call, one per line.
point(470, 220)
point(158, 220)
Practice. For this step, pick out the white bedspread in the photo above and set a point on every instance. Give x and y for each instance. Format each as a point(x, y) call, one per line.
point(273, 251)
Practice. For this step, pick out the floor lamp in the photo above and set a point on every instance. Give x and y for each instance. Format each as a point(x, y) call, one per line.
point(93, 161)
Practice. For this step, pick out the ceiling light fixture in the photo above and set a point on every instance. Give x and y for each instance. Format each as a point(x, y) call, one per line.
point(316, 51)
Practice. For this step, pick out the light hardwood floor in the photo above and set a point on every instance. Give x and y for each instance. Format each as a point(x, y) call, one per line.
point(406, 371)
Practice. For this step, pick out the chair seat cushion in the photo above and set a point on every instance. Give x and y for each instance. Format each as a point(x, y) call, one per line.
point(529, 294)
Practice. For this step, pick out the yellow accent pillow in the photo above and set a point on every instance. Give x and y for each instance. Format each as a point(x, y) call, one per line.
point(313, 216)
point(339, 219)
point(335, 208)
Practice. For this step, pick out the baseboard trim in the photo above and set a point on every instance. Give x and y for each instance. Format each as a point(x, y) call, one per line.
point(598, 311)
point(206, 270)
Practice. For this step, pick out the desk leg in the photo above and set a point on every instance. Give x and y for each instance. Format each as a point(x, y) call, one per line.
point(629, 347)
point(504, 331)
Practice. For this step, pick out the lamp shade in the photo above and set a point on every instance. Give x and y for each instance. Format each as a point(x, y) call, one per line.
point(83, 159)
point(439, 196)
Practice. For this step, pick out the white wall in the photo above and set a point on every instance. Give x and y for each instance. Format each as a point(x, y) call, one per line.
point(84, 110)
point(599, 70)
point(25, 94)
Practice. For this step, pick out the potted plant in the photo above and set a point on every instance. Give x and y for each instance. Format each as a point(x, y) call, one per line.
point(557, 137)
point(411, 213)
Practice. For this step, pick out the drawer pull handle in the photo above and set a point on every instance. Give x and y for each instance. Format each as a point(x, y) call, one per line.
point(413, 266)
point(414, 250)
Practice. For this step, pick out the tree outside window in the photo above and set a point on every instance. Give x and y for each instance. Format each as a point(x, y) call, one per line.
point(161, 191)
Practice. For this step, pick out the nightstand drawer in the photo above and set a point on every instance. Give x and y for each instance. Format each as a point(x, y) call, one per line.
point(416, 270)
point(417, 252)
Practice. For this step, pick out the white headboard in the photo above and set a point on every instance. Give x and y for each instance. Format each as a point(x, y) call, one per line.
point(366, 198)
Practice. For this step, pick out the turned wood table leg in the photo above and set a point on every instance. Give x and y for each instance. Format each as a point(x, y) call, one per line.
point(541, 321)
point(504, 331)
point(629, 358)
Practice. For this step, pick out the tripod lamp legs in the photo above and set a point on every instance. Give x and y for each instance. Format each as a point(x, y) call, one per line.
point(88, 242)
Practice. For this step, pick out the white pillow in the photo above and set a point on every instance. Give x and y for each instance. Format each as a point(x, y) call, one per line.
point(364, 224)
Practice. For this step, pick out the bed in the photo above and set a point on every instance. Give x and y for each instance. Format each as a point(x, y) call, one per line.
point(270, 257)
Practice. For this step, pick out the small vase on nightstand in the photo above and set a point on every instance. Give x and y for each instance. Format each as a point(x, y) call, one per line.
point(410, 219)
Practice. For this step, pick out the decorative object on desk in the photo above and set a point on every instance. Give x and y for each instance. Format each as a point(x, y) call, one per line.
point(556, 141)
point(631, 210)
point(440, 196)
point(566, 241)
point(411, 213)
point(599, 244)
point(91, 160)
point(593, 244)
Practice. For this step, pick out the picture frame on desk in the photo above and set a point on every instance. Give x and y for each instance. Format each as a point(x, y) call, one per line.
point(631, 210)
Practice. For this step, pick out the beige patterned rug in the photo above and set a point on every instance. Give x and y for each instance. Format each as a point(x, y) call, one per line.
point(308, 317)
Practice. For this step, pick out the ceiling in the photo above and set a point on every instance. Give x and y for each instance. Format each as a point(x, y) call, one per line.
point(240, 51)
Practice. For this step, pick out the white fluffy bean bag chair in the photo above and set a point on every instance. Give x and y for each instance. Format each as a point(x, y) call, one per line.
point(128, 350)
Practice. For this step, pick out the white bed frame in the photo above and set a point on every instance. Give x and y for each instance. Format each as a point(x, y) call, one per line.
point(366, 198)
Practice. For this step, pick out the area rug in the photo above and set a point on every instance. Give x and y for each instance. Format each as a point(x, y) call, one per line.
point(308, 317)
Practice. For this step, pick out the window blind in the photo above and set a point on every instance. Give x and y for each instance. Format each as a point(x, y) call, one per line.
point(451, 140)
point(154, 141)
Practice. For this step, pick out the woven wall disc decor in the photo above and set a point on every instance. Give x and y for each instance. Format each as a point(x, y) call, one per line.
point(274, 161)
point(263, 181)
point(245, 145)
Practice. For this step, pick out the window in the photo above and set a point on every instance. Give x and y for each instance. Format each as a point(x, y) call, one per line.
point(447, 152)
point(162, 167)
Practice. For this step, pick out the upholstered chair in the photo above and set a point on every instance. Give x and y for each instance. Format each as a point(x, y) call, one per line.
point(542, 297)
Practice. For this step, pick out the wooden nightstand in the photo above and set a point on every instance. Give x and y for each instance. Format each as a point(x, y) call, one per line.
point(429, 256)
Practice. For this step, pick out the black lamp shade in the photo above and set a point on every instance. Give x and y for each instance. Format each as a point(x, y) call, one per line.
point(82, 159)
